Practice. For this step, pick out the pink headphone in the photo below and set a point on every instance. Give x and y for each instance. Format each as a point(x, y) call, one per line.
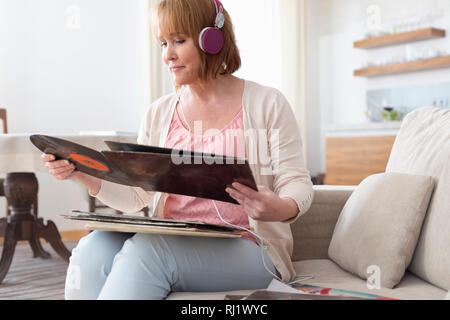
point(211, 38)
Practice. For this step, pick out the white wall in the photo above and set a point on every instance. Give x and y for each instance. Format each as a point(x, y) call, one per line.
point(5, 37)
point(64, 73)
point(334, 95)
point(61, 78)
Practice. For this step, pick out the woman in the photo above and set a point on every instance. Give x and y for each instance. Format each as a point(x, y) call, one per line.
point(213, 112)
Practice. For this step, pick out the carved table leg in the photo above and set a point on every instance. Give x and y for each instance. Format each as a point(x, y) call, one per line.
point(50, 233)
point(9, 246)
point(3, 224)
point(22, 224)
point(35, 243)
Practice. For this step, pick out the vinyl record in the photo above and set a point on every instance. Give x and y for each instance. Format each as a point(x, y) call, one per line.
point(133, 147)
point(85, 159)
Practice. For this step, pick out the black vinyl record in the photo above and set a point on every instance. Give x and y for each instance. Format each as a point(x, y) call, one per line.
point(85, 159)
point(133, 147)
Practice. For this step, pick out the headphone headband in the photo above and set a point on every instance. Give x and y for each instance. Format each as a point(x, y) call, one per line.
point(219, 21)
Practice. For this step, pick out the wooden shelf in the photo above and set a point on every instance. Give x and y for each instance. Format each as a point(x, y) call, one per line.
point(393, 39)
point(434, 63)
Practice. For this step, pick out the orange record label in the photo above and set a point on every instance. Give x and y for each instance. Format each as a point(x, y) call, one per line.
point(88, 162)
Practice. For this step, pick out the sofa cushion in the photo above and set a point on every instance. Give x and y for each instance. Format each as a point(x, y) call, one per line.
point(422, 147)
point(380, 224)
point(328, 274)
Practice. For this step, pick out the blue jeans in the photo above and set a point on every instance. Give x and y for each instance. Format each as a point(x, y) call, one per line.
point(113, 265)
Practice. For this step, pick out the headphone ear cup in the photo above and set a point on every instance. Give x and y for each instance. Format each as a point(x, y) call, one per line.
point(211, 40)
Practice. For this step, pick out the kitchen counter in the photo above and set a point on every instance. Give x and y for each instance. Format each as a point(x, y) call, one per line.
point(356, 151)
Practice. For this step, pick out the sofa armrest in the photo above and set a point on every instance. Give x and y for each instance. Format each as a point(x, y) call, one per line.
point(312, 232)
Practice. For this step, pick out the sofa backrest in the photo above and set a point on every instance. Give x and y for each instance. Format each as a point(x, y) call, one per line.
point(422, 147)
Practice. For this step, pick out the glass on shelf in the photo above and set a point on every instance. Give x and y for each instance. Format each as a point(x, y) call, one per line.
point(444, 52)
point(430, 53)
point(414, 23)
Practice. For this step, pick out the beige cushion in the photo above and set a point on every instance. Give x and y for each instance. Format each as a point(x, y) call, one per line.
point(327, 274)
point(423, 147)
point(380, 225)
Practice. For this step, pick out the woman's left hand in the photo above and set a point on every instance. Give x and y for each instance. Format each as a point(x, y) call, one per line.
point(264, 204)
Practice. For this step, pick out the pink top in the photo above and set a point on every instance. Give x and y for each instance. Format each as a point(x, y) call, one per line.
point(229, 141)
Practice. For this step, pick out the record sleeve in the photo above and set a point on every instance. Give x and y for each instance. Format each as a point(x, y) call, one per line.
point(197, 177)
point(136, 224)
point(140, 220)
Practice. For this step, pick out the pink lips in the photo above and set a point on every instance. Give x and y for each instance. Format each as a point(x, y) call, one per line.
point(175, 68)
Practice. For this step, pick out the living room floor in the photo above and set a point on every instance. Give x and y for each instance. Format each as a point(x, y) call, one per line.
point(35, 278)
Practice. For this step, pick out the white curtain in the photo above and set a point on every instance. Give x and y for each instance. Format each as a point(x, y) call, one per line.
point(293, 56)
point(271, 38)
point(160, 78)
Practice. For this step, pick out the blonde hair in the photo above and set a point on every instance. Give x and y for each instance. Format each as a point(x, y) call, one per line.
point(189, 17)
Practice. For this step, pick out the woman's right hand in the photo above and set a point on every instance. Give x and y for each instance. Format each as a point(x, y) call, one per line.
point(60, 169)
point(64, 169)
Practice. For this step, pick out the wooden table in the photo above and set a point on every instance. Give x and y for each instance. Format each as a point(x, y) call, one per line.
point(20, 159)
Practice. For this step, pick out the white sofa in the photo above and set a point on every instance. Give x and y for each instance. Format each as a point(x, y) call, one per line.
point(422, 147)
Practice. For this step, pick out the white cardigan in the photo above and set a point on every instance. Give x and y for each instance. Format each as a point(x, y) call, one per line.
point(274, 149)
